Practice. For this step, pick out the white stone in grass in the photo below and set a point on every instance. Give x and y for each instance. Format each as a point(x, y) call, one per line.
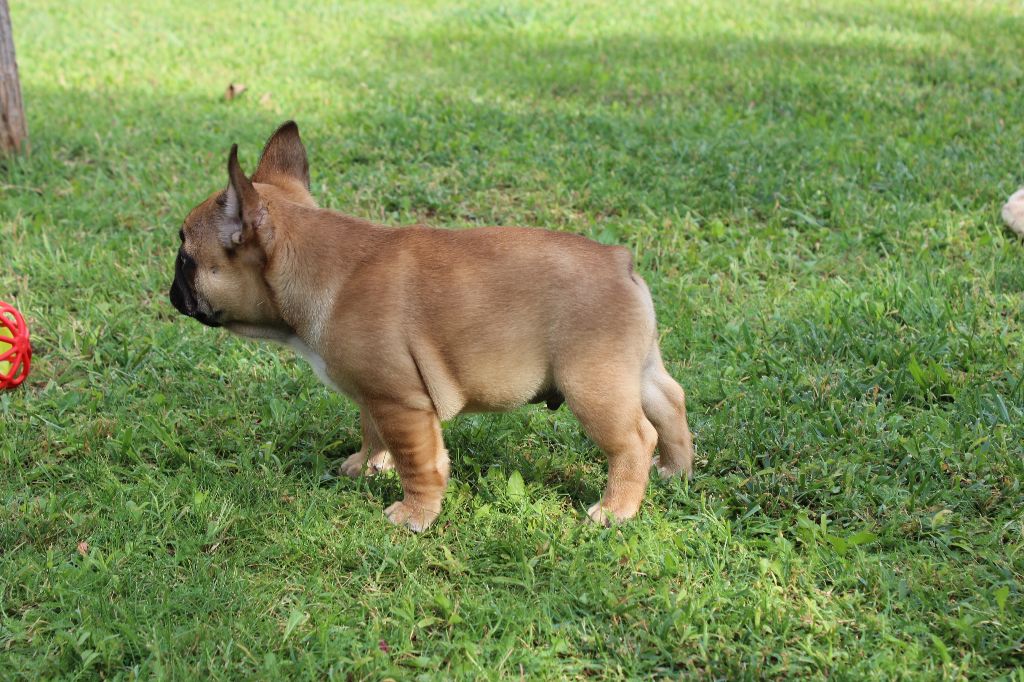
point(1013, 212)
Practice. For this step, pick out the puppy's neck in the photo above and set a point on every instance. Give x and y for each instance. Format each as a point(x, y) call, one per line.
point(313, 254)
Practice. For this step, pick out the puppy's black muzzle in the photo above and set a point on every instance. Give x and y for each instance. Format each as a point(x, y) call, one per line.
point(181, 294)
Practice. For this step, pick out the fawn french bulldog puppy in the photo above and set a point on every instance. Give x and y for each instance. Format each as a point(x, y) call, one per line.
point(417, 325)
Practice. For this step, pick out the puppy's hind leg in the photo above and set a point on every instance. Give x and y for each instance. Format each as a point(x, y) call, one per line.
point(373, 455)
point(608, 406)
point(664, 404)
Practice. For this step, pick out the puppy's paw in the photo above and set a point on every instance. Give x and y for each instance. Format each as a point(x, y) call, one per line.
point(380, 462)
point(354, 463)
point(605, 515)
point(413, 516)
point(670, 469)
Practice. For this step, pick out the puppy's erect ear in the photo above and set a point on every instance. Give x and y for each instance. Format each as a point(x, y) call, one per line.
point(243, 209)
point(284, 156)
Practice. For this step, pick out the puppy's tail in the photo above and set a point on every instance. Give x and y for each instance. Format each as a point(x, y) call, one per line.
point(664, 404)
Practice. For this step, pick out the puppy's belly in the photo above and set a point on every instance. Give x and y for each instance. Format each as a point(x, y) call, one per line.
point(480, 379)
point(500, 392)
point(490, 387)
point(496, 403)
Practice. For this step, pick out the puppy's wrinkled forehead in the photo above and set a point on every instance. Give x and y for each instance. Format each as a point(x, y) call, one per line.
point(203, 220)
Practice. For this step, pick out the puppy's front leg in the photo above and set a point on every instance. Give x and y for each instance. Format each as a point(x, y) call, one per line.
point(414, 440)
point(373, 454)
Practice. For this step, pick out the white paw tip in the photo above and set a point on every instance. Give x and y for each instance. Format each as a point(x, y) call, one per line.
point(598, 515)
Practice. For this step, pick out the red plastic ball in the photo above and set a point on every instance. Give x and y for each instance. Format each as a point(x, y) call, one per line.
point(15, 349)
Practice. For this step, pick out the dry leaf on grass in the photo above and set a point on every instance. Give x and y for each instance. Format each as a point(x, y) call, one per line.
point(234, 90)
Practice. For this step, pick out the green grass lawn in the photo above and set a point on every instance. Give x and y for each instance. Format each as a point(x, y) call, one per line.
point(810, 188)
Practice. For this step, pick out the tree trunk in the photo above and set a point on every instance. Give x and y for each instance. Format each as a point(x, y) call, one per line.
point(13, 129)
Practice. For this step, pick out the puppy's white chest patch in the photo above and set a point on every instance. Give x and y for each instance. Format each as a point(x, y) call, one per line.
point(314, 360)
